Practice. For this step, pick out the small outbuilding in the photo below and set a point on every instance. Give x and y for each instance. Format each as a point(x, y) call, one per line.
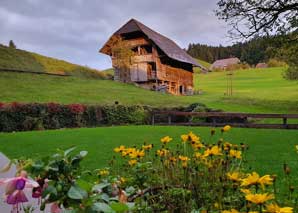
point(261, 65)
point(222, 64)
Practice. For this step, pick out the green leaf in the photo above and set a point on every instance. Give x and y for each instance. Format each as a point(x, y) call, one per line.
point(119, 207)
point(100, 186)
point(102, 207)
point(105, 197)
point(76, 193)
point(130, 205)
point(49, 190)
point(66, 152)
point(84, 184)
point(38, 165)
point(83, 153)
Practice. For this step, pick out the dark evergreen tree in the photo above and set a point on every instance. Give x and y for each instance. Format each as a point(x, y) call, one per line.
point(12, 45)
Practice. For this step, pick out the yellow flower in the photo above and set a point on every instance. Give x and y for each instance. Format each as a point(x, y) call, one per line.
point(226, 128)
point(119, 149)
point(235, 154)
point(193, 137)
point(166, 139)
point(245, 191)
point(162, 152)
point(274, 208)
point(234, 176)
point(132, 162)
point(184, 138)
point(265, 180)
point(122, 180)
point(251, 179)
point(173, 159)
point(103, 172)
point(147, 147)
point(215, 150)
point(254, 178)
point(197, 145)
point(184, 164)
point(183, 158)
point(137, 153)
point(198, 155)
point(259, 198)
point(230, 211)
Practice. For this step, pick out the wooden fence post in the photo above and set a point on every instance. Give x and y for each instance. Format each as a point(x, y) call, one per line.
point(285, 122)
point(153, 118)
point(169, 119)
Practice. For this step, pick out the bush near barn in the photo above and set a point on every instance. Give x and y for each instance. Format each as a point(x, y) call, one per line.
point(39, 116)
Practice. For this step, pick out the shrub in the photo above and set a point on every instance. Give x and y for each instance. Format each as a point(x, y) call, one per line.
point(120, 114)
point(291, 73)
point(276, 63)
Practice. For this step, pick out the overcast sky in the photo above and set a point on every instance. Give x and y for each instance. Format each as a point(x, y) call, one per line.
point(74, 30)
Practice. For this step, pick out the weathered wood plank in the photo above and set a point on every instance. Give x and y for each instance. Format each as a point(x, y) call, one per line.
point(227, 114)
point(246, 125)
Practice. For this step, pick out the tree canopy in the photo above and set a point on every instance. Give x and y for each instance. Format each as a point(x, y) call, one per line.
point(259, 17)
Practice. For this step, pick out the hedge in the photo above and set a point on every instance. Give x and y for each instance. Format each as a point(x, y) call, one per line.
point(39, 116)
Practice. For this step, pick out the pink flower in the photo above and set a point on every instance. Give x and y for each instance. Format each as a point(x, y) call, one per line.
point(14, 188)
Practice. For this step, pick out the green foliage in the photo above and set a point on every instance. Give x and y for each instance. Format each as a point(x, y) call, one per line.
point(256, 50)
point(63, 183)
point(120, 114)
point(12, 45)
point(25, 117)
point(273, 62)
point(291, 73)
point(11, 58)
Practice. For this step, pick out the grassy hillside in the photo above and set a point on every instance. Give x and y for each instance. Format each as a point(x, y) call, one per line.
point(203, 63)
point(11, 58)
point(256, 90)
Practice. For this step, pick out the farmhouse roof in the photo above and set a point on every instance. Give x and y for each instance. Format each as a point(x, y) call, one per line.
point(224, 62)
point(169, 47)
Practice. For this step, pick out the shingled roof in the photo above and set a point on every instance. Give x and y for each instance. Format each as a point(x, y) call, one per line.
point(222, 63)
point(169, 47)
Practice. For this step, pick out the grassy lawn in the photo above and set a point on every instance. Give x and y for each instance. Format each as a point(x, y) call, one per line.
point(269, 149)
point(258, 90)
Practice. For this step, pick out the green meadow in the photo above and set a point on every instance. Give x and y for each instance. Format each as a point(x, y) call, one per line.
point(255, 90)
point(268, 150)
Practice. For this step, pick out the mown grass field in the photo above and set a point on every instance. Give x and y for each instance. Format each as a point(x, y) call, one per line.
point(255, 90)
point(268, 150)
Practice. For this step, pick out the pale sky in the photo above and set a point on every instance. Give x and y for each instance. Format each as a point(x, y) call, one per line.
point(74, 30)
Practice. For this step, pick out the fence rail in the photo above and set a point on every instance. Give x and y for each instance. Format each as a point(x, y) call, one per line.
point(226, 115)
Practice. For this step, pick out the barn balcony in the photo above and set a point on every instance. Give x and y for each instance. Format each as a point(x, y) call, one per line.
point(143, 58)
point(136, 42)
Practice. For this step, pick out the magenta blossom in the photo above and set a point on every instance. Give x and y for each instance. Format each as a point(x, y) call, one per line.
point(14, 187)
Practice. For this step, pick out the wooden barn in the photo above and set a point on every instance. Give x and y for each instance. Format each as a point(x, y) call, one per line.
point(158, 63)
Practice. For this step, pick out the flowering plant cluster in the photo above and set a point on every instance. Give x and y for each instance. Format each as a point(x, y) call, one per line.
point(190, 174)
point(76, 108)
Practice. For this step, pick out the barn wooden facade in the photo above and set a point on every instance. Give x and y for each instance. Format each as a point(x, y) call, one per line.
point(158, 63)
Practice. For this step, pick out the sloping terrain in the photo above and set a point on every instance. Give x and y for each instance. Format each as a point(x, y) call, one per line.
point(16, 59)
